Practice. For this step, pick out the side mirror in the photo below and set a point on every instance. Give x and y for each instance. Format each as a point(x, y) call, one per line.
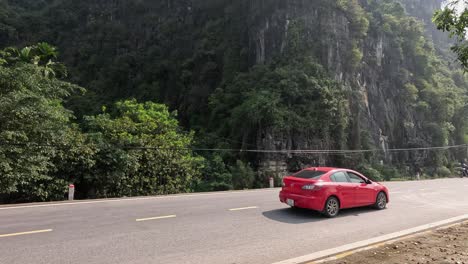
point(368, 182)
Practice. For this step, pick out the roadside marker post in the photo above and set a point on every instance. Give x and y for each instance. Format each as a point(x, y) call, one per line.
point(71, 192)
point(272, 182)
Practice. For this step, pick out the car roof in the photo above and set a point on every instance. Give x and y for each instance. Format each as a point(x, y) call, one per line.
point(324, 169)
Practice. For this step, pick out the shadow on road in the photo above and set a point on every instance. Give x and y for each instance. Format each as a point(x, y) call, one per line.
point(302, 216)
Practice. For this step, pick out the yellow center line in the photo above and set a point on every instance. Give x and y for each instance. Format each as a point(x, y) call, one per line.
point(26, 233)
point(243, 208)
point(155, 218)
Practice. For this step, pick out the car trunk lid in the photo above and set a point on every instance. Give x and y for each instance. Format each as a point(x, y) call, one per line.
point(294, 185)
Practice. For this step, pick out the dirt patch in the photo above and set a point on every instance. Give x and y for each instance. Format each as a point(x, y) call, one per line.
point(447, 245)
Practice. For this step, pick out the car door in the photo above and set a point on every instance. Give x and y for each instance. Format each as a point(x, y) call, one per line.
point(344, 188)
point(364, 193)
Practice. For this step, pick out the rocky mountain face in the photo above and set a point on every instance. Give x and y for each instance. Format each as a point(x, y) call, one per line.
point(390, 62)
point(380, 115)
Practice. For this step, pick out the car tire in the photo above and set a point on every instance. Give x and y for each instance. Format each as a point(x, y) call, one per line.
point(332, 207)
point(380, 201)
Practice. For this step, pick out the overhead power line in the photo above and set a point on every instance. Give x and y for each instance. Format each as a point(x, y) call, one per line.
point(286, 151)
point(330, 151)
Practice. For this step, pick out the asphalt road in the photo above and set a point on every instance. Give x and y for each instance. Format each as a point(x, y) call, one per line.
point(237, 227)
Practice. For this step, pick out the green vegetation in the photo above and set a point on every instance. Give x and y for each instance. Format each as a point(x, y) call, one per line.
point(454, 19)
point(239, 75)
point(429, 87)
point(291, 98)
point(31, 113)
point(138, 149)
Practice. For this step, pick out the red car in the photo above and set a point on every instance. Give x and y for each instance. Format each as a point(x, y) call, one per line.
point(328, 190)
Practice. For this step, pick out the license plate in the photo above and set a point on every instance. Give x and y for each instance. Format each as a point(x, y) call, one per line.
point(290, 202)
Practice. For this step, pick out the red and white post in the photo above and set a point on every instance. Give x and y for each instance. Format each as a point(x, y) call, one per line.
point(71, 192)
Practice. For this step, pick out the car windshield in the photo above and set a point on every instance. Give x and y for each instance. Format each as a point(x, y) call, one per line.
point(309, 174)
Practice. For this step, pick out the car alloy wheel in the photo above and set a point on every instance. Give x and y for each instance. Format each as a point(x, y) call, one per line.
point(381, 201)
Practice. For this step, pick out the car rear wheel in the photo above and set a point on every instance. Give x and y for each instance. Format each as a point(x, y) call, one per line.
point(332, 207)
point(381, 201)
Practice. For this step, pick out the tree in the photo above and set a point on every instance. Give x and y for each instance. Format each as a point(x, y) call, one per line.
point(136, 149)
point(34, 126)
point(141, 150)
point(41, 54)
point(454, 19)
point(295, 97)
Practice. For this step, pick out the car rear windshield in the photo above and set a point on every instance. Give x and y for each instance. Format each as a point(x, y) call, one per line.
point(309, 174)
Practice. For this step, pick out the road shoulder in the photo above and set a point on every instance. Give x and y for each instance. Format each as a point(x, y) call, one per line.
point(447, 244)
point(349, 249)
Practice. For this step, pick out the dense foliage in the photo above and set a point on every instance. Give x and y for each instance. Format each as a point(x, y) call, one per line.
point(138, 149)
point(31, 118)
point(292, 98)
point(243, 75)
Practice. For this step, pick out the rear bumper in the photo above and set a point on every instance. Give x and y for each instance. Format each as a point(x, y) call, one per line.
point(309, 202)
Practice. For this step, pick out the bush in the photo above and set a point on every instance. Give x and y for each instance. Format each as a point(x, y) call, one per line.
point(221, 186)
point(443, 172)
point(371, 173)
point(215, 175)
point(243, 176)
point(390, 172)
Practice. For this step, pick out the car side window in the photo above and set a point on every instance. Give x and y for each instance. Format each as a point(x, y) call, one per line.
point(339, 177)
point(355, 178)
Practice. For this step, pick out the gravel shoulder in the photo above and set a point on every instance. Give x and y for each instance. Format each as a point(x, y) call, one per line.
point(445, 245)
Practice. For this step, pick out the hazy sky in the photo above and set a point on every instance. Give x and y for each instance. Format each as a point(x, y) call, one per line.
point(459, 4)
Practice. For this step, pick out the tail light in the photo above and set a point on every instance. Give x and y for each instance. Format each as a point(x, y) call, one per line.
point(311, 187)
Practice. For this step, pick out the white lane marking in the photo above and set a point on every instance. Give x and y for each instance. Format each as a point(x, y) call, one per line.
point(243, 208)
point(136, 199)
point(364, 243)
point(155, 218)
point(395, 192)
point(26, 233)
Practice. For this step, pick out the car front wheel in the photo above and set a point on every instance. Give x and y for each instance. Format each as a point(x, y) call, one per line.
point(332, 207)
point(381, 201)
